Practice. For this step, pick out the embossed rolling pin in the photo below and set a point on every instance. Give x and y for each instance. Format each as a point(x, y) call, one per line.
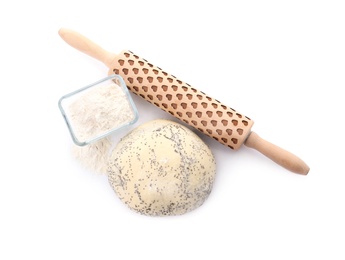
point(186, 103)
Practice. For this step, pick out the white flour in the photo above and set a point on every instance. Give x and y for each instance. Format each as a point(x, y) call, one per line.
point(96, 112)
point(94, 156)
point(99, 110)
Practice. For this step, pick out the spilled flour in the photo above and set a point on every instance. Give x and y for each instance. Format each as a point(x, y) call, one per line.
point(94, 156)
point(93, 114)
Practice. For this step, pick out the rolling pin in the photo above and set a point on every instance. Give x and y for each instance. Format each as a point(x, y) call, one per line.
point(185, 102)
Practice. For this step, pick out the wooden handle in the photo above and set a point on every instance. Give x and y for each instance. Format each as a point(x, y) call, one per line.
point(280, 156)
point(86, 46)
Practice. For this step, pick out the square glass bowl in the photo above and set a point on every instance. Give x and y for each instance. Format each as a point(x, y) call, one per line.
point(98, 110)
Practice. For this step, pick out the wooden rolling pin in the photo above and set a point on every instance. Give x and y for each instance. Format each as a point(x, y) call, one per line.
point(186, 103)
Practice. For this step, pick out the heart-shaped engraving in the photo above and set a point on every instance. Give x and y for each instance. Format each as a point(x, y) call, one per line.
point(154, 88)
point(239, 115)
point(150, 79)
point(125, 71)
point(234, 140)
point(219, 131)
point(229, 131)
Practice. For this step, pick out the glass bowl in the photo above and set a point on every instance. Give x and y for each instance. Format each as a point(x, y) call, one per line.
point(98, 110)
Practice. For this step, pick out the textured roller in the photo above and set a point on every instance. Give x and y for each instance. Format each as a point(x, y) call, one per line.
point(181, 100)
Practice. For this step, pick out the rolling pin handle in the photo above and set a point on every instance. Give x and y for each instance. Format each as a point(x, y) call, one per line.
point(83, 44)
point(280, 156)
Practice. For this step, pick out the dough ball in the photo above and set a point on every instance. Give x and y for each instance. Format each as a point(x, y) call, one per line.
point(162, 168)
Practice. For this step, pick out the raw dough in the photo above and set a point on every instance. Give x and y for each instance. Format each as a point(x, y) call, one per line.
point(162, 168)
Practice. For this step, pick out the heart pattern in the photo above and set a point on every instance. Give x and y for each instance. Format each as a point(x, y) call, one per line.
point(186, 103)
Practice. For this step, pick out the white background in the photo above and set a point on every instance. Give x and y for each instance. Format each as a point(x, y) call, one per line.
point(281, 63)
